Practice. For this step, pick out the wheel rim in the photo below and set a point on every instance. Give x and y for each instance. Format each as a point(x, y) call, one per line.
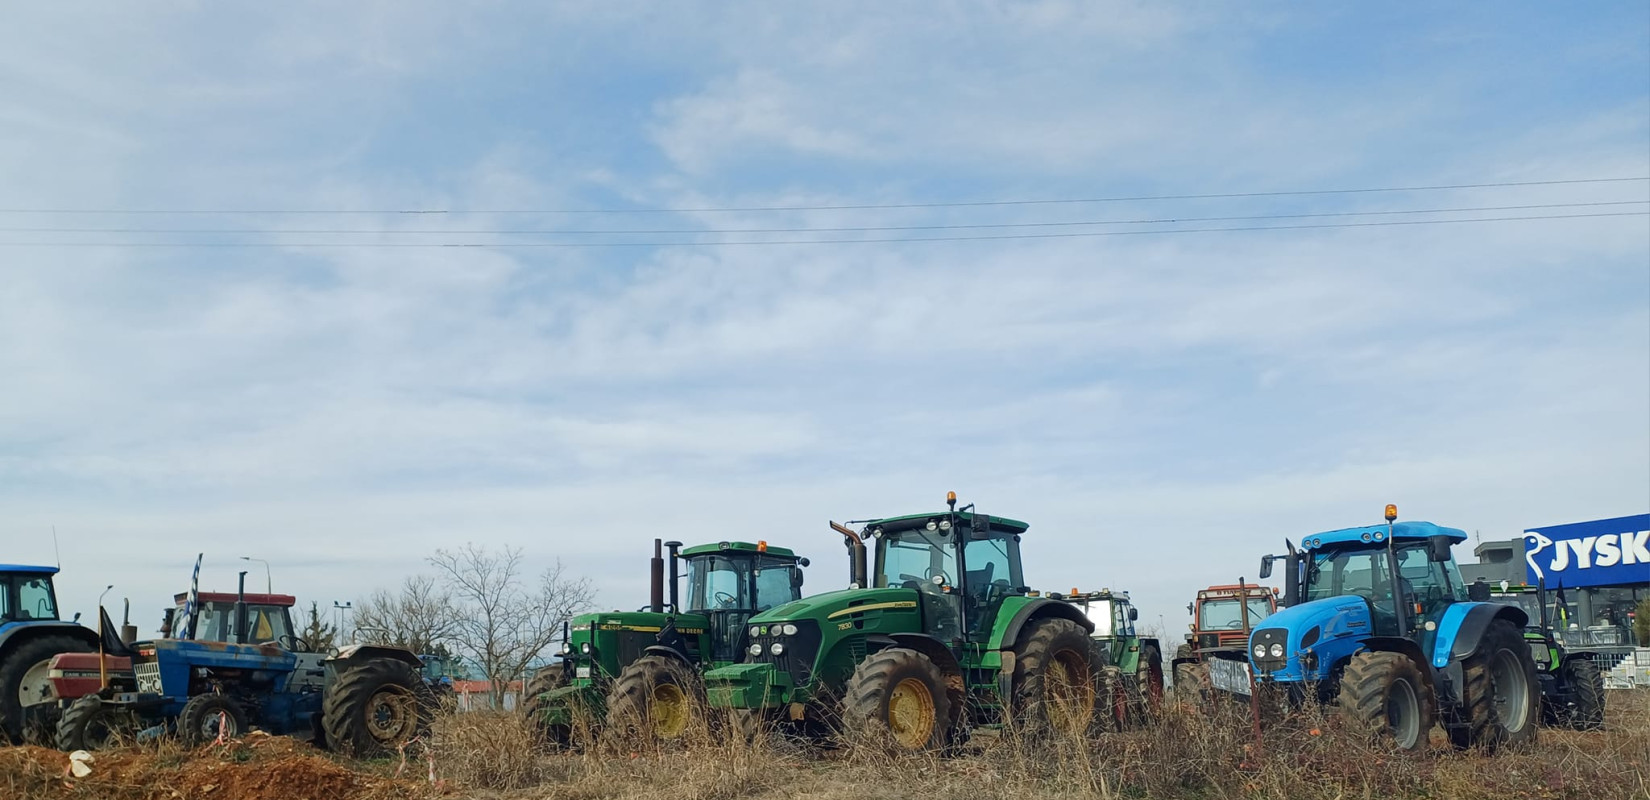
point(1067, 696)
point(218, 721)
point(668, 710)
point(35, 688)
point(911, 713)
point(1512, 690)
point(390, 715)
point(1403, 714)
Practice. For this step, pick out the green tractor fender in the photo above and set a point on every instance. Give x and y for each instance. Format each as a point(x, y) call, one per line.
point(936, 651)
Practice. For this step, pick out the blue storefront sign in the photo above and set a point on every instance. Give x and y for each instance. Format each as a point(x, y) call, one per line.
point(1603, 552)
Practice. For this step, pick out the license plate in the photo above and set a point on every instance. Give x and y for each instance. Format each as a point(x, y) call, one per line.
point(581, 672)
point(1229, 676)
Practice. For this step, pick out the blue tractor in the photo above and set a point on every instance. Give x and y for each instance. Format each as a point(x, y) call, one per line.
point(1381, 627)
point(361, 700)
point(30, 635)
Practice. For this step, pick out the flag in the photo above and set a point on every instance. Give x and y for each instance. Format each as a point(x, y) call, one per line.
point(1563, 606)
point(189, 605)
point(109, 636)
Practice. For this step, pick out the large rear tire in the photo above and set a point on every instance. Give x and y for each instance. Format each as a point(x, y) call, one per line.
point(1383, 696)
point(23, 680)
point(899, 696)
point(375, 707)
point(1148, 682)
point(1586, 685)
point(1053, 678)
point(1499, 694)
point(656, 699)
point(206, 717)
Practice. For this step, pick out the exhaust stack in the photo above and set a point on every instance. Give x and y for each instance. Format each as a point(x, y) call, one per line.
point(656, 574)
point(856, 554)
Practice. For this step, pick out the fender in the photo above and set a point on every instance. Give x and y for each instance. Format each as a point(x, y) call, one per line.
point(1006, 635)
point(364, 651)
point(18, 632)
point(1463, 624)
point(667, 650)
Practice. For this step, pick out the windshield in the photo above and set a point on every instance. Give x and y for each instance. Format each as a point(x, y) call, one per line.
point(216, 623)
point(741, 582)
point(1362, 571)
point(1225, 615)
point(915, 557)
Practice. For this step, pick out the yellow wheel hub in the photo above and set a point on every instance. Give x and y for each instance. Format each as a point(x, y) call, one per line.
point(668, 710)
point(911, 714)
point(1067, 696)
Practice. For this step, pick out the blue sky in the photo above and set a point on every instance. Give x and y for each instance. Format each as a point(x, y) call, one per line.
point(1162, 408)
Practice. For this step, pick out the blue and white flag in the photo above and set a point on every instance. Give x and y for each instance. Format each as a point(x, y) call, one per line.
point(190, 604)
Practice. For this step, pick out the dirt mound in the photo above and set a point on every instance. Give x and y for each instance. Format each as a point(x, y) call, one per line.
point(256, 768)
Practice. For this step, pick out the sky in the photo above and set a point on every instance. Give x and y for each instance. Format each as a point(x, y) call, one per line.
point(214, 340)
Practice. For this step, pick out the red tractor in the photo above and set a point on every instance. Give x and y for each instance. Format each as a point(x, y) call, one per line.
point(1215, 655)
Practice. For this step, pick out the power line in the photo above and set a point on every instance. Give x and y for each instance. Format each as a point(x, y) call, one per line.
point(1069, 235)
point(845, 207)
point(845, 229)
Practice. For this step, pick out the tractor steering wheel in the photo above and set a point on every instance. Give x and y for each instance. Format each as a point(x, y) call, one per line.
point(724, 599)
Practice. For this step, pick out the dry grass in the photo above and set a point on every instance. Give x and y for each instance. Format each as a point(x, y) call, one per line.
point(1189, 754)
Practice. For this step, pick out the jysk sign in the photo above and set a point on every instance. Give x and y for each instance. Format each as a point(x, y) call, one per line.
point(1604, 552)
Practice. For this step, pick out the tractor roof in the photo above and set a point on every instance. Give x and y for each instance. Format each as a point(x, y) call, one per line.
point(29, 569)
point(1401, 531)
point(891, 524)
point(251, 599)
point(743, 548)
point(1232, 589)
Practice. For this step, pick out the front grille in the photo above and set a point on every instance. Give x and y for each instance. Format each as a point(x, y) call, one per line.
point(1543, 657)
point(798, 658)
point(1267, 637)
point(148, 676)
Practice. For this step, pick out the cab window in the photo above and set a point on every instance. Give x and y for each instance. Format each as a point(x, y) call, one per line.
point(915, 558)
point(777, 582)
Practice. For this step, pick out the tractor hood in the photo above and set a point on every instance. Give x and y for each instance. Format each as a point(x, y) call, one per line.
point(1328, 627)
point(840, 603)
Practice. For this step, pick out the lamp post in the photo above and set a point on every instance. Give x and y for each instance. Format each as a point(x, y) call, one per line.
point(339, 612)
point(268, 584)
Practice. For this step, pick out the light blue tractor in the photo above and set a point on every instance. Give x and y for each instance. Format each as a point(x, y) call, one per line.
point(30, 635)
point(1381, 627)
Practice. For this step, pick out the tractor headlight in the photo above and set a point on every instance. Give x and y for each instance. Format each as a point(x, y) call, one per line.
point(790, 630)
point(585, 648)
point(1276, 651)
point(778, 648)
point(755, 631)
point(1260, 651)
point(755, 649)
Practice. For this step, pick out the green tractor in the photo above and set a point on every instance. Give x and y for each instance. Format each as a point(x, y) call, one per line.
point(1130, 666)
point(1572, 687)
point(939, 635)
point(637, 673)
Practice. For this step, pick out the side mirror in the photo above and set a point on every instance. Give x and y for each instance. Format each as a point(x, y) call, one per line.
point(980, 523)
point(1478, 592)
point(1265, 567)
point(1134, 614)
point(1188, 608)
point(796, 577)
point(76, 617)
point(1438, 547)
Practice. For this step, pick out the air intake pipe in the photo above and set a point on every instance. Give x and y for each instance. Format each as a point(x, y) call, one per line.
point(856, 555)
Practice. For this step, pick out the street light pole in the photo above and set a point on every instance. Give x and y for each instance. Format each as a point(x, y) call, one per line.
point(340, 609)
point(268, 584)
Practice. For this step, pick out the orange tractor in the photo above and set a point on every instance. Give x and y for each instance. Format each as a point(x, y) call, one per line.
point(1215, 655)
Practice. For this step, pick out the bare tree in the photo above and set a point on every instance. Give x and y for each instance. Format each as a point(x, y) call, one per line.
point(502, 626)
point(421, 617)
point(318, 634)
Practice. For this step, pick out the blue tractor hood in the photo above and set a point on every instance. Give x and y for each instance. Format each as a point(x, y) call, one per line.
point(1331, 628)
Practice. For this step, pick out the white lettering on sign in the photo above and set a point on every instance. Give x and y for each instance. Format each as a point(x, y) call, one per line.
point(1589, 551)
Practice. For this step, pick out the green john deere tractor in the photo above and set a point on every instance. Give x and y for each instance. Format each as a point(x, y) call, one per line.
point(939, 634)
point(1130, 666)
point(1572, 687)
point(637, 673)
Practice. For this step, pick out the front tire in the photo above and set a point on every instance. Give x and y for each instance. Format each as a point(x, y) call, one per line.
point(374, 708)
point(1499, 692)
point(1586, 685)
point(547, 679)
point(1053, 678)
point(23, 680)
point(91, 724)
point(656, 698)
point(206, 717)
point(1382, 695)
point(899, 695)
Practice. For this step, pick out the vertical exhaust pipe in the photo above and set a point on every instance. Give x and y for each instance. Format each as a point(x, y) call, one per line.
point(675, 577)
point(656, 575)
point(856, 555)
point(240, 611)
point(128, 631)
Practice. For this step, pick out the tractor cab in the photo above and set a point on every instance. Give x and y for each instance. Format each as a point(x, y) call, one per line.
point(729, 582)
point(26, 594)
point(962, 565)
point(1223, 616)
